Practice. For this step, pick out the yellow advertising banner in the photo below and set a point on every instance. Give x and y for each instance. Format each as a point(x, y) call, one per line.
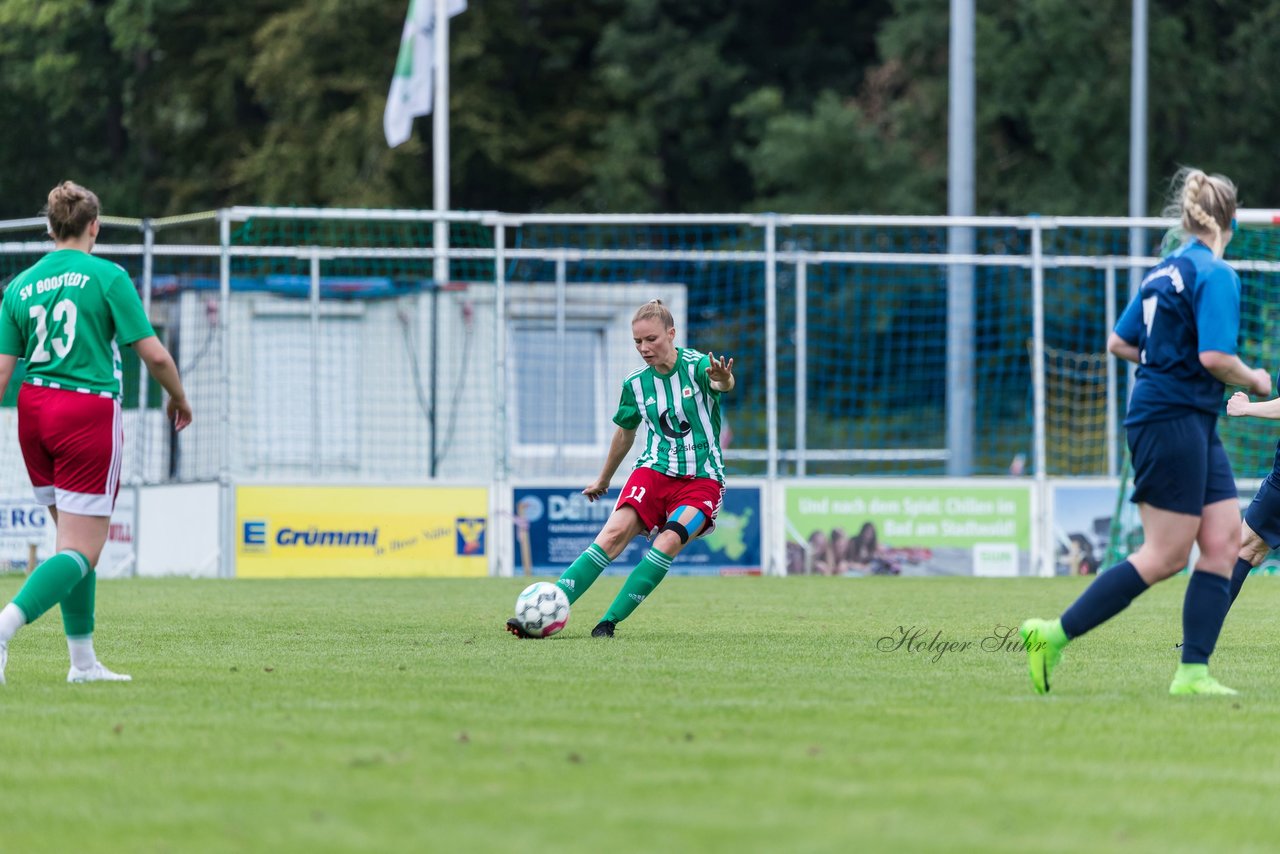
point(361, 532)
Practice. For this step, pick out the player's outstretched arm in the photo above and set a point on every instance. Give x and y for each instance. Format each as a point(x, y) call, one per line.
point(1239, 404)
point(623, 439)
point(720, 373)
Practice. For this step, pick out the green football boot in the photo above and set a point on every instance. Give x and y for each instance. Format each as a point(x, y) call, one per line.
point(1044, 641)
point(1195, 679)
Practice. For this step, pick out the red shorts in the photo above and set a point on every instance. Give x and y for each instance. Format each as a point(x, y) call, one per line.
point(655, 496)
point(71, 443)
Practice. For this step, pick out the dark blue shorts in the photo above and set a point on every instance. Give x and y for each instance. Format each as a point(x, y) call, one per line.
point(1179, 463)
point(1263, 515)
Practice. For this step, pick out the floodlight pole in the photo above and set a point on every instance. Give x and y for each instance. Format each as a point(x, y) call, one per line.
point(1138, 136)
point(960, 194)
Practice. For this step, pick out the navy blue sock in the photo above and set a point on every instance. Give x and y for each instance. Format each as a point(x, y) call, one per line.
point(1203, 610)
point(1238, 575)
point(1108, 595)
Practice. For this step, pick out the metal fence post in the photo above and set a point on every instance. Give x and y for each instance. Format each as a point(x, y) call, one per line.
point(1038, 379)
point(771, 341)
point(802, 360)
point(141, 443)
point(226, 560)
point(500, 429)
point(148, 272)
point(561, 308)
point(771, 373)
point(1113, 463)
point(314, 307)
point(500, 350)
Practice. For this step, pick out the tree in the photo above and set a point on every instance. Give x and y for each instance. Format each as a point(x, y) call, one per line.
point(687, 81)
point(1052, 81)
point(62, 103)
point(168, 106)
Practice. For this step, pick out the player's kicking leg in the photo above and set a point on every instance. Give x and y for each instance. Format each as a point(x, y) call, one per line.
point(622, 527)
point(684, 524)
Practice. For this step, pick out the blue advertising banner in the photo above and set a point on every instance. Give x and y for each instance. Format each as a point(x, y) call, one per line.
point(555, 525)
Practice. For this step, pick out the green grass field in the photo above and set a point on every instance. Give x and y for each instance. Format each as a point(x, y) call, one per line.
point(728, 715)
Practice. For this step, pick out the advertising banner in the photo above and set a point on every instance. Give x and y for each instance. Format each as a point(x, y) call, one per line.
point(884, 527)
point(555, 525)
point(1082, 525)
point(1094, 526)
point(24, 524)
point(361, 532)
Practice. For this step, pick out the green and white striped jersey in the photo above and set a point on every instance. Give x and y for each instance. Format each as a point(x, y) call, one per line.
point(682, 413)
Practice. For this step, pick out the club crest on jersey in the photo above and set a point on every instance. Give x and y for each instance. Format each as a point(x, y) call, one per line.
point(687, 391)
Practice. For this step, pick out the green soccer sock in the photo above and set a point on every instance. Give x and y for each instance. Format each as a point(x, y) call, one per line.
point(50, 583)
point(77, 607)
point(583, 572)
point(640, 583)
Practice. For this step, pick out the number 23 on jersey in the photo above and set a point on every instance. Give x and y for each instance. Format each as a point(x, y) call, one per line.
point(64, 312)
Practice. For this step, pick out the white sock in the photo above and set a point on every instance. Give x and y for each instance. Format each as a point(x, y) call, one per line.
point(11, 619)
point(82, 654)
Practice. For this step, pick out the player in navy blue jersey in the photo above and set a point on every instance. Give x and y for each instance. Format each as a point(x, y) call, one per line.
point(1180, 329)
point(1260, 531)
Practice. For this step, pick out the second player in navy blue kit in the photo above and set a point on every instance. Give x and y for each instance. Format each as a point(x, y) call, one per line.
point(1260, 532)
point(1181, 331)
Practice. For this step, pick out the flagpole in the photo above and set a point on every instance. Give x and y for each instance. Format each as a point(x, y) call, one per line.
point(440, 142)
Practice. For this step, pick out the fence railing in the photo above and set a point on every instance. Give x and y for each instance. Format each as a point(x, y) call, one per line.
point(335, 344)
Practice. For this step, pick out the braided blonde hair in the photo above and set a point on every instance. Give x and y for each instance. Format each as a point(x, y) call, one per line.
point(1205, 204)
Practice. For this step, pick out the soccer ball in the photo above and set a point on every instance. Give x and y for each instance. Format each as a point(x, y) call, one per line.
point(542, 609)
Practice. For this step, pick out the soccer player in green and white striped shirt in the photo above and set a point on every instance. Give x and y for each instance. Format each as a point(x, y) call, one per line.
point(677, 486)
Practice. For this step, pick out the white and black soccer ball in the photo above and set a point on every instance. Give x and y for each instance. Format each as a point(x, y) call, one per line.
point(542, 609)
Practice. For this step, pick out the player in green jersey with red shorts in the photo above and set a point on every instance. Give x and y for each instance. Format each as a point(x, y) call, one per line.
point(677, 486)
point(64, 316)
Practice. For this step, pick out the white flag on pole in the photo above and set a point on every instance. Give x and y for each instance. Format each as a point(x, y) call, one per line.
point(411, 86)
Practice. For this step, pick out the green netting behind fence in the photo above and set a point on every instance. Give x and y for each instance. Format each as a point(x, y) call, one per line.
point(371, 234)
point(725, 298)
point(861, 351)
point(871, 366)
point(1251, 442)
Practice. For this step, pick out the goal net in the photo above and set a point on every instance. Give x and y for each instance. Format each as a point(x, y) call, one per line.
point(1076, 424)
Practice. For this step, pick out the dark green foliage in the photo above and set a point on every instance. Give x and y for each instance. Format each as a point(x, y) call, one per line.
point(170, 106)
